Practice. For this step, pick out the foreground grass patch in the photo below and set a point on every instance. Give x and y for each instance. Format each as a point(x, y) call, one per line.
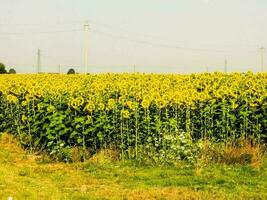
point(219, 177)
point(22, 177)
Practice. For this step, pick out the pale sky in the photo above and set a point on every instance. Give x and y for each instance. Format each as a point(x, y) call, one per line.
point(181, 36)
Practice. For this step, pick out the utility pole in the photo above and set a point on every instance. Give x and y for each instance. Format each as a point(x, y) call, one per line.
point(86, 35)
point(262, 50)
point(225, 66)
point(38, 61)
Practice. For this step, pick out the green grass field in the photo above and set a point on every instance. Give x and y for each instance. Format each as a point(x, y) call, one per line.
point(23, 176)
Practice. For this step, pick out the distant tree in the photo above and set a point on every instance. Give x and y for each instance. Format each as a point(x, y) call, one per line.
point(2, 68)
point(71, 71)
point(12, 71)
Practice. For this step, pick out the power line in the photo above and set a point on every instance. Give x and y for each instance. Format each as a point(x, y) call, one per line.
point(157, 37)
point(100, 24)
point(63, 62)
point(167, 45)
point(140, 41)
point(40, 23)
point(42, 32)
point(124, 38)
point(127, 31)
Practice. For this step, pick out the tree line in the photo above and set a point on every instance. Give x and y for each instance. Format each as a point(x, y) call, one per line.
point(4, 71)
point(13, 71)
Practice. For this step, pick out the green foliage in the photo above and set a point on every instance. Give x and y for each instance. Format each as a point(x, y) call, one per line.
point(2, 69)
point(71, 71)
point(12, 71)
point(170, 149)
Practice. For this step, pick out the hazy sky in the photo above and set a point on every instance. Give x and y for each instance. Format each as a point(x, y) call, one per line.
point(180, 36)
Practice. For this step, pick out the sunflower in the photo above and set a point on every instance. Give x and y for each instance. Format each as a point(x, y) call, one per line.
point(90, 106)
point(125, 114)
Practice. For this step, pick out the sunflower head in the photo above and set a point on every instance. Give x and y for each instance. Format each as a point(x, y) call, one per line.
point(125, 114)
point(90, 106)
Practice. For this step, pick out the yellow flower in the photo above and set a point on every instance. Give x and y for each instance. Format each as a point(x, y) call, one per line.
point(130, 105)
point(89, 119)
point(23, 118)
point(51, 108)
point(234, 105)
point(145, 103)
point(125, 114)
point(90, 106)
point(24, 103)
point(111, 104)
point(253, 104)
point(80, 101)
point(12, 99)
point(101, 106)
point(40, 106)
point(161, 103)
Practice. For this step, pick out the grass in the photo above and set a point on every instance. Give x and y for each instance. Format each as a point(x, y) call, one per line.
point(23, 176)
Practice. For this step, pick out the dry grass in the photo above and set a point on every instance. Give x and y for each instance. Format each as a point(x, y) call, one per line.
point(105, 156)
point(242, 152)
point(8, 142)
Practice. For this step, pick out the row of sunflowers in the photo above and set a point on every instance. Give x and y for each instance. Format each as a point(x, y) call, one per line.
point(136, 114)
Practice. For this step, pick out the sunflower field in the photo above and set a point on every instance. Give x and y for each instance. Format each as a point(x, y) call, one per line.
point(159, 117)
